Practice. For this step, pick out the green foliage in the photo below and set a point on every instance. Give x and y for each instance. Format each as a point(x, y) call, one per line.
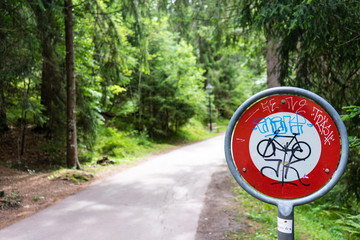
point(126, 147)
point(318, 42)
point(233, 59)
point(39, 198)
point(120, 145)
point(193, 131)
point(234, 84)
point(350, 224)
point(171, 92)
point(339, 222)
point(103, 64)
point(319, 222)
point(352, 172)
point(141, 68)
point(316, 220)
point(18, 79)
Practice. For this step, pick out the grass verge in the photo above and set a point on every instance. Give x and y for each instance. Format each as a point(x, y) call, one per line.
point(315, 220)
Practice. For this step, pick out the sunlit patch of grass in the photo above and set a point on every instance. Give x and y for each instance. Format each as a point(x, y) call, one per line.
point(121, 147)
point(75, 176)
point(194, 131)
point(321, 222)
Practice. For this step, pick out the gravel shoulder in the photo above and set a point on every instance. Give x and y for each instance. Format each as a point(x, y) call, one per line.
point(221, 215)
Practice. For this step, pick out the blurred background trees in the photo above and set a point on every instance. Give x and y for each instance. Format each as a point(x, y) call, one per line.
point(142, 65)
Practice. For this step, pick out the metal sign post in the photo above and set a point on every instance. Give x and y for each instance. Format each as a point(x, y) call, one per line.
point(286, 146)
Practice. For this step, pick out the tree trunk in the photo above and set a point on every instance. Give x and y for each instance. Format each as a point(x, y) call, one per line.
point(49, 72)
point(272, 64)
point(3, 118)
point(72, 155)
point(52, 79)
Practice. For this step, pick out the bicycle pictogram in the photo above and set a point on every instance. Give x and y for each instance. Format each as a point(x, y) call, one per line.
point(293, 151)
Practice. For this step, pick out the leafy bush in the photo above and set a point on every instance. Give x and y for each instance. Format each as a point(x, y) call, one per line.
point(351, 177)
point(119, 144)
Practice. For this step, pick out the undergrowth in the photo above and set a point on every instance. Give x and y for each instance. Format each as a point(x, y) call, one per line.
point(320, 220)
point(114, 147)
point(126, 147)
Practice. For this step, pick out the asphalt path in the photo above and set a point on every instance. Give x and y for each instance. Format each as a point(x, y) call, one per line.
point(161, 198)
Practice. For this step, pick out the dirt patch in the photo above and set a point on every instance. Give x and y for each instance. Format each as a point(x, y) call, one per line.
point(35, 192)
point(40, 190)
point(222, 215)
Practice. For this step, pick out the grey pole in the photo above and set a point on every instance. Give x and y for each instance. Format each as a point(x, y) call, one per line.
point(210, 120)
point(209, 88)
point(285, 222)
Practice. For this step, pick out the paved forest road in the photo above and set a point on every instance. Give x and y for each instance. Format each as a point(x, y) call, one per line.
point(160, 199)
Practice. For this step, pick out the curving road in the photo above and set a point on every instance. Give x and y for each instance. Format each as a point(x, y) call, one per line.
point(160, 199)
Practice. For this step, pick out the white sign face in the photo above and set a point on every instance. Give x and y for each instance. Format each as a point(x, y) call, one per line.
point(285, 146)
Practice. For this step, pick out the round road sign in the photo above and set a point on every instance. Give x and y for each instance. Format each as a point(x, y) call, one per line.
point(285, 144)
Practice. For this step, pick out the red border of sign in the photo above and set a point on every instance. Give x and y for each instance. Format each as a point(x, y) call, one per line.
point(326, 128)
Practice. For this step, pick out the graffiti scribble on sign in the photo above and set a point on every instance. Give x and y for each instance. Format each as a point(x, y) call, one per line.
point(286, 124)
point(323, 125)
point(282, 147)
point(296, 105)
point(269, 106)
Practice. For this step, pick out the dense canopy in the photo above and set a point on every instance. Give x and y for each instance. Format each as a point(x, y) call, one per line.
point(141, 66)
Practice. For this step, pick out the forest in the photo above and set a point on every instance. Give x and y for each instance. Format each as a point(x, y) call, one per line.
point(88, 76)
